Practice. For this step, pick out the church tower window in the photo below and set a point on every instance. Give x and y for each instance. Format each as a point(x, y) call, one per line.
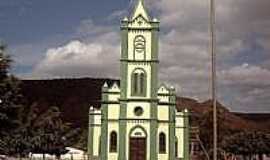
point(162, 143)
point(139, 47)
point(113, 142)
point(135, 84)
point(138, 81)
point(142, 80)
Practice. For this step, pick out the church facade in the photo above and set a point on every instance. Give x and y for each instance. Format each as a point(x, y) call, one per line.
point(138, 119)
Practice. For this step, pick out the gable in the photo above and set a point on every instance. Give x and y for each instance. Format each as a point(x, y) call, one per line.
point(163, 89)
point(140, 22)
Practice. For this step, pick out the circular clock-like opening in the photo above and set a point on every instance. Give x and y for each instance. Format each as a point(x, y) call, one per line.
point(138, 111)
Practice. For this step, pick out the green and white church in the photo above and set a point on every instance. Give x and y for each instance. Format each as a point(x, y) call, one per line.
point(138, 120)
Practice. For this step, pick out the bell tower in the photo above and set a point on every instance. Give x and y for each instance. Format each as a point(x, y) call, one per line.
point(139, 54)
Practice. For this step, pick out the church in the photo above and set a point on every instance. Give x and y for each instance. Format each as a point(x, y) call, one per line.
point(138, 119)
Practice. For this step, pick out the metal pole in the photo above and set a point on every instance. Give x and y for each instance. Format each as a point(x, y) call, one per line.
point(203, 148)
point(213, 75)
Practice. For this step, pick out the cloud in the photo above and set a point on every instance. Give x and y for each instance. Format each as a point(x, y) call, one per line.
point(78, 59)
point(184, 50)
point(247, 87)
point(246, 75)
point(87, 29)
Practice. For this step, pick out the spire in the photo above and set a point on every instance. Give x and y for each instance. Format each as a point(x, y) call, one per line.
point(140, 10)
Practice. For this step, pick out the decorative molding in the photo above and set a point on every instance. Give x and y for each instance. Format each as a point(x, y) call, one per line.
point(139, 100)
point(95, 125)
point(111, 92)
point(167, 103)
point(110, 102)
point(104, 128)
point(139, 61)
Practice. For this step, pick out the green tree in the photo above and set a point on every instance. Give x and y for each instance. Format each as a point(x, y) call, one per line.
point(46, 131)
point(206, 128)
point(247, 144)
point(10, 101)
point(26, 129)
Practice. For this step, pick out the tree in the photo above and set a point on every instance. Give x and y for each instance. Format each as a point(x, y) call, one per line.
point(46, 131)
point(10, 100)
point(247, 144)
point(206, 127)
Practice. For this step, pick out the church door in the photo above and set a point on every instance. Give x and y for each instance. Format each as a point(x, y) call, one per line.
point(137, 149)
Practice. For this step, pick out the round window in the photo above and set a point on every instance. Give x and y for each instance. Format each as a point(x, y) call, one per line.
point(138, 111)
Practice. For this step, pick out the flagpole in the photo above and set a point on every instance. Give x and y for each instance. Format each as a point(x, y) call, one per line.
point(213, 74)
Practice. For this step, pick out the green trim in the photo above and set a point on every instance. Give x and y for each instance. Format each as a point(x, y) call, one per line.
point(141, 28)
point(95, 125)
point(180, 127)
point(110, 102)
point(153, 132)
point(123, 85)
point(166, 103)
point(108, 92)
point(186, 135)
point(90, 134)
point(139, 100)
point(95, 114)
point(172, 99)
point(180, 116)
point(104, 128)
point(139, 61)
point(122, 132)
point(155, 45)
point(124, 65)
point(154, 66)
point(165, 94)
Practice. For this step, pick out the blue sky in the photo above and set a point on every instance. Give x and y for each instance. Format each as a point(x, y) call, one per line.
point(45, 19)
point(80, 38)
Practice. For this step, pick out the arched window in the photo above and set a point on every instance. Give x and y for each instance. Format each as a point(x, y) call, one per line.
point(135, 82)
point(139, 47)
point(113, 142)
point(162, 143)
point(142, 80)
point(138, 83)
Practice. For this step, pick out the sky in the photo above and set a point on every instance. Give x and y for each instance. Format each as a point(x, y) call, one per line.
point(81, 38)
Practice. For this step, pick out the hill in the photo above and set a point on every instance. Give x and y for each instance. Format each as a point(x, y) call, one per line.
point(75, 96)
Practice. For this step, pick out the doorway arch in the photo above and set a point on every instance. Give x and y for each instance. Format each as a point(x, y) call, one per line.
point(137, 143)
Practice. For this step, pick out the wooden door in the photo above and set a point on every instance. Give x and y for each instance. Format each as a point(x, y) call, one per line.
point(137, 149)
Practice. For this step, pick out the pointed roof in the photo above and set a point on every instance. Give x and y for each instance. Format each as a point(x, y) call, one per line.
point(105, 85)
point(140, 10)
